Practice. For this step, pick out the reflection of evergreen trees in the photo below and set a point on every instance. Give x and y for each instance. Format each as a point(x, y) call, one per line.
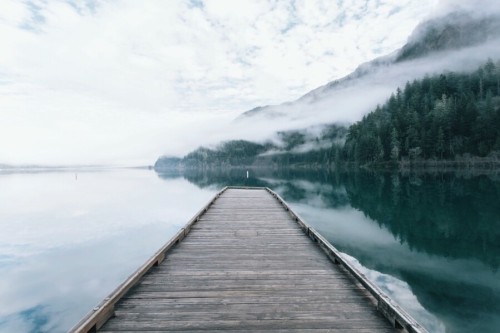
point(438, 214)
point(465, 307)
point(441, 214)
point(216, 178)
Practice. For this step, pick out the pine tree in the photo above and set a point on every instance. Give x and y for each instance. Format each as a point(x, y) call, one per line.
point(379, 154)
point(395, 145)
point(444, 116)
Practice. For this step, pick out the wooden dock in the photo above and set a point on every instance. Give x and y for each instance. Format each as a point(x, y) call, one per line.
point(246, 262)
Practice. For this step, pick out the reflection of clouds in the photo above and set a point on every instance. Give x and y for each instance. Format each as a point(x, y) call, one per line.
point(315, 192)
point(50, 282)
point(60, 260)
point(15, 323)
point(401, 293)
point(434, 279)
point(348, 224)
point(279, 184)
point(79, 213)
point(353, 232)
point(43, 211)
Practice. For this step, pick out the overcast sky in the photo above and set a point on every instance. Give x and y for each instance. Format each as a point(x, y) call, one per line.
point(120, 82)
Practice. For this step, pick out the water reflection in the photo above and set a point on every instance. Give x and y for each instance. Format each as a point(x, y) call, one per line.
point(67, 242)
point(437, 233)
point(437, 214)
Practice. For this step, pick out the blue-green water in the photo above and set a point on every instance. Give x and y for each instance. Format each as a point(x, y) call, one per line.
point(431, 241)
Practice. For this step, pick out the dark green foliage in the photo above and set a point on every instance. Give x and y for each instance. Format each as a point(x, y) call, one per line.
point(327, 150)
point(167, 162)
point(454, 215)
point(292, 139)
point(241, 153)
point(446, 117)
point(440, 117)
point(433, 213)
point(231, 153)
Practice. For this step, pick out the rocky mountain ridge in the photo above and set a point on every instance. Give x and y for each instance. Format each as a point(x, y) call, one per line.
point(451, 32)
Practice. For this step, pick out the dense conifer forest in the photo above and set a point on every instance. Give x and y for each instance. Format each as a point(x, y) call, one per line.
point(441, 117)
point(450, 118)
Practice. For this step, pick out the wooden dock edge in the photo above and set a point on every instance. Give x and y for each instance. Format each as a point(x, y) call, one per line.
point(105, 309)
point(398, 317)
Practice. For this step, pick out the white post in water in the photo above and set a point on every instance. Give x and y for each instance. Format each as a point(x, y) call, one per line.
point(247, 174)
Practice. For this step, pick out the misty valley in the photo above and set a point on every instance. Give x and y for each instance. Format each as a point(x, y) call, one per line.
point(394, 159)
point(410, 192)
point(451, 120)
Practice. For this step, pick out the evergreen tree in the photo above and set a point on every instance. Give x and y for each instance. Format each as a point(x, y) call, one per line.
point(443, 116)
point(395, 145)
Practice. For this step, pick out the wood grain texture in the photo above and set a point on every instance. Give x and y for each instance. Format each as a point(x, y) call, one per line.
point(246, 266)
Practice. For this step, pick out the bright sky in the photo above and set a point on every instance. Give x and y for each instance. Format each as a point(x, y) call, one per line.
point(125, 81)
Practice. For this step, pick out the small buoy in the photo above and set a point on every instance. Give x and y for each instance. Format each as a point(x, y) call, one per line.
point(247, 174)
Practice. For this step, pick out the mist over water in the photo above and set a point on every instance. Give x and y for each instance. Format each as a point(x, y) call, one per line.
point(72, 95)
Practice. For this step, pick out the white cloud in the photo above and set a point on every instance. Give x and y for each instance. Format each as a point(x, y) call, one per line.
point(123, 81)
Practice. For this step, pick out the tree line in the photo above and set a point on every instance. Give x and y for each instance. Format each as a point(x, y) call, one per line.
point(440, 118)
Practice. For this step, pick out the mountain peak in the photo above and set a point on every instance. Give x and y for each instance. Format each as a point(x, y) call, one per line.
point(456, 30)
point(452, 31)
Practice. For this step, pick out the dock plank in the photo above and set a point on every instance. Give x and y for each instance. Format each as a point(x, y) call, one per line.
point(246, 265)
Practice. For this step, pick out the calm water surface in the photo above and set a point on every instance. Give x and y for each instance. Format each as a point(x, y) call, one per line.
point(67, 240)
point(431, 241)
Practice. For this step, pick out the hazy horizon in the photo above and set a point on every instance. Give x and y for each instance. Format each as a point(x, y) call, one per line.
point(124, 82)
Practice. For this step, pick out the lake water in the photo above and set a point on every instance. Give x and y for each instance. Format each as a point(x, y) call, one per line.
point(431, 241)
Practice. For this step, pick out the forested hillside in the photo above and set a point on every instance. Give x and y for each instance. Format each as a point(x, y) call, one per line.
point(440, 37)
point(441, 117)
point(444, 118)
point(290, 148)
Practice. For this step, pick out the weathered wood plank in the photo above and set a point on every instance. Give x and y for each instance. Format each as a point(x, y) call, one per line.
point(245, 265)
point(302, 300)
point(278, 314)
point(245, 324)
point(243, 272)
point(327, 330)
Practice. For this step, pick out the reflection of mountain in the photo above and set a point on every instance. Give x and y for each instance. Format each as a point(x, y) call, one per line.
point(463, 307)
point(440, 233)
point(445, 237)
point(436, 214)
point(208, 178)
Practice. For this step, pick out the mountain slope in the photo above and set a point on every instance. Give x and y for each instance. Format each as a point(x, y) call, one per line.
point(454, 31)
point(448, 119)
point(457, 33)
